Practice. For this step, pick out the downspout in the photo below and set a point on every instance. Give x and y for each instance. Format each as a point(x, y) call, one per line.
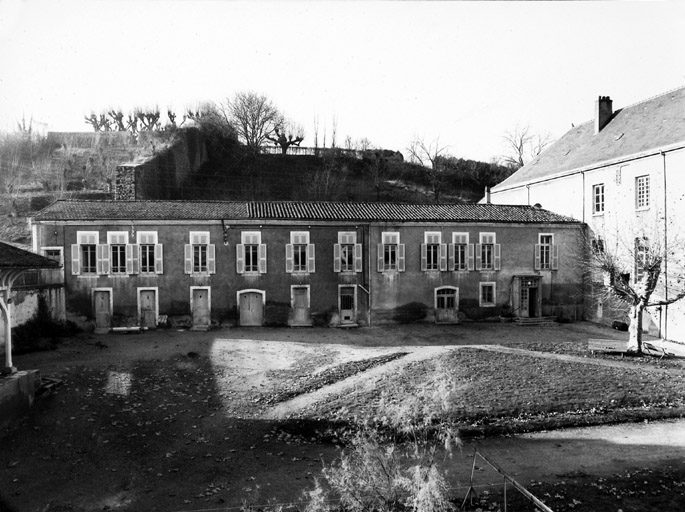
point(665, 308)
point(583, 203)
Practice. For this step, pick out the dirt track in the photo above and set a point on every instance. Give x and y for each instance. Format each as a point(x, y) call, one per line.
point(204, 436)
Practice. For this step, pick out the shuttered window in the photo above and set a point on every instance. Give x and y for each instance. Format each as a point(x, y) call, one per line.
point(433, 252)
point(251, 253)
point(150, 257)
point(347, 253)
point(391, 253)
point(199, 254)
point(84, 253)
point(299, 253)
point(546, 253)
point(488, 253)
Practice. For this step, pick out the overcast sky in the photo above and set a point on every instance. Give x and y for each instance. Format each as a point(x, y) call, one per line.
point(463, 72)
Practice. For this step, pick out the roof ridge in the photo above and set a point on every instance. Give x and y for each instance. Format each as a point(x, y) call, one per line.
point(653, 97)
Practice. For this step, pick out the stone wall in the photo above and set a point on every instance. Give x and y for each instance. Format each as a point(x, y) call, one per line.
point(162, 175)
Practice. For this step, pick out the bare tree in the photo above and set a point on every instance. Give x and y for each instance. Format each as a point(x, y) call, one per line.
point(253, 116)
point(431, 157)
point(522, 145)
point(316, 133)
point(286, 134)
point(99, 122)
point(327, 183)
point(640, 269)
point(334, 130)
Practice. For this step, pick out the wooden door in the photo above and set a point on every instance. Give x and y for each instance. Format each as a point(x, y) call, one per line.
point(201, 313)
point(300, 302)
point(148, 309)
point(446, 306)
point(251, 309)
point(103, 311)
point(524, 300)
point(348, 309)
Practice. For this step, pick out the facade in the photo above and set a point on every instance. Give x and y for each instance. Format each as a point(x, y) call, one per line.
point(294, 263)
point(620, 170)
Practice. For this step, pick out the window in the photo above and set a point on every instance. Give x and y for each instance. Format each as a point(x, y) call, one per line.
point(390, 253)
point(200, 254)
point(546, 253)
point(84, 259)
point(299, 253)
point(53, 253)
point(598, 245)
point(433, 252)
point(251, 253)
point(487, 253)
point(117, 241)
point(446, 298)
point(642, 192)
point(461, 253)
point(598, 198)
point(487, 294)
point(347, 253)
point(149, 253)
point(641, 257)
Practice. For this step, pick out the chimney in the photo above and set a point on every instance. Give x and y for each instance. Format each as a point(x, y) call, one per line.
point(487, 195)
point(603, 112)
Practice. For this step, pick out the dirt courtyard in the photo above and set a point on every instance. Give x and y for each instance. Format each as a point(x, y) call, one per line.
point(179, 421)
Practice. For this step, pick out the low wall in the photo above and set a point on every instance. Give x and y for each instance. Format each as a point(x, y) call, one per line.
point(17, 393)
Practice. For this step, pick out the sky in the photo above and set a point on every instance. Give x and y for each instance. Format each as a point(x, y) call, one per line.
point(461, 73)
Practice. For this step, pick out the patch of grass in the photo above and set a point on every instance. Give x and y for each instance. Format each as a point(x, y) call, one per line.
point(496, 392)
point(304, 383)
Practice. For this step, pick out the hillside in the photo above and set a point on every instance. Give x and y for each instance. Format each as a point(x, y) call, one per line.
point(37, 171)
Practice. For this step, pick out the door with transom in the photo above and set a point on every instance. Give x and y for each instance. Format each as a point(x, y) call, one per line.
point(347, 301)
point(447, 305)
point(102, 305)
point(200, 309)
point(148, 309)
point(300, 305)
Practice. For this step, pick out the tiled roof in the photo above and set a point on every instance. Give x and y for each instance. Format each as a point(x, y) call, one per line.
point(79, 210)
point(655, 123)
point(13, 257)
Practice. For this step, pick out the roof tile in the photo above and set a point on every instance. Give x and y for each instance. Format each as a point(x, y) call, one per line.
point(81, 210)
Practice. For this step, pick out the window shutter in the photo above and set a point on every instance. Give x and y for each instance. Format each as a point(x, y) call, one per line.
point(555, 257)
point(211, 258)
point(450, 258)
point(132, 261)
point(188, 254)
point(159, 262)
point(479, 257)
point(262, 258)
point(358, 263)
point(75, 259)
point(240, 258)
point(470, 257)
point(537, 257)
point(289, 265)
point(336, 258)
point(443, 257)
point(424, 257)
point(310, 258)
point(380, 257)
point(400, 257)
point(102, 259)
point(498, 256)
